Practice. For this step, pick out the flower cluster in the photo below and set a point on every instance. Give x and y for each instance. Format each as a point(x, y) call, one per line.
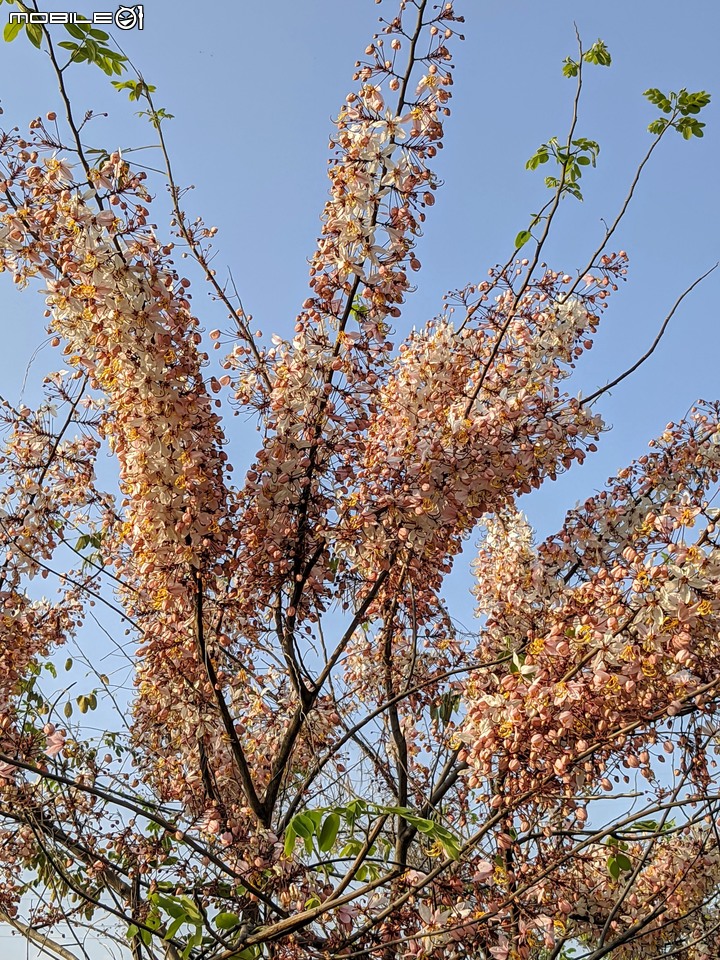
point(614, 622)
point(311, 751)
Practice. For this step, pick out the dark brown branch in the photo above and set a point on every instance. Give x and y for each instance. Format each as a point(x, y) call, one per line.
point(41, 940)
point(297, 720)
point(236, 747)
point(653, 346)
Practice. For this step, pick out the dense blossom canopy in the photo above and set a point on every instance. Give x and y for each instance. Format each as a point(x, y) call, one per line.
point(313, 760)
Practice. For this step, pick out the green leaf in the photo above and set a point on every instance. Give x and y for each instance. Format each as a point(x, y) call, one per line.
point(570, 68)
point(522, 238)
point(303, 826)
point(169, 904)
point(132, 931)
point(442, 711)
point(329, 832)
point(613, 867)
point(192, 911)
point(646, 826)
point(351, 849)
point(226, 921)
point(355, 809)
point(623, 862)
point(114, 55)
point(654, 95)
point(540, 156)
point(11, 31)
point(34, 34)
point(175, 926)
point(316, 816)
point(290, 838)
point(194, 941)
point(450, 842)
point(423, 825)
point(76, 31)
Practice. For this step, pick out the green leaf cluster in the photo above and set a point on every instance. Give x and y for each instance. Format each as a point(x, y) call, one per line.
point(444, 709)
point(571, 158)
point(315, 829)
point(319, 829)
point(432, 830)
point(182, 912)
point(94, 540)
point(598, 54)
point(618, 862)
point(90, 46)
point(649, 826)
point(682, 109)
point(89, 540)
point(136, 88)
point(156, 117)
point(359, 309)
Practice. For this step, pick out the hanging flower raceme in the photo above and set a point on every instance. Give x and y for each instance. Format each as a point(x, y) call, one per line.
point(123, 312)
point(630, 642)
point(322, 399)
point(467, 420)
point(124, 315)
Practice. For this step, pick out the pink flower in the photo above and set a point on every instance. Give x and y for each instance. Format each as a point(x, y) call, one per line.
point(501, 951)
point(484, 870)
point(55, 742)
point(346, 914)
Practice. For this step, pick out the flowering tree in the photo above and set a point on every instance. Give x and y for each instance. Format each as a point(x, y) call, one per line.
point(313, 760)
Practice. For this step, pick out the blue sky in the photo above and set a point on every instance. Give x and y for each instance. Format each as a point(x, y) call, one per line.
point(253, 88)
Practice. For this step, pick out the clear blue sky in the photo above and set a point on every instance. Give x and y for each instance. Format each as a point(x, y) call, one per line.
point(253, 87)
